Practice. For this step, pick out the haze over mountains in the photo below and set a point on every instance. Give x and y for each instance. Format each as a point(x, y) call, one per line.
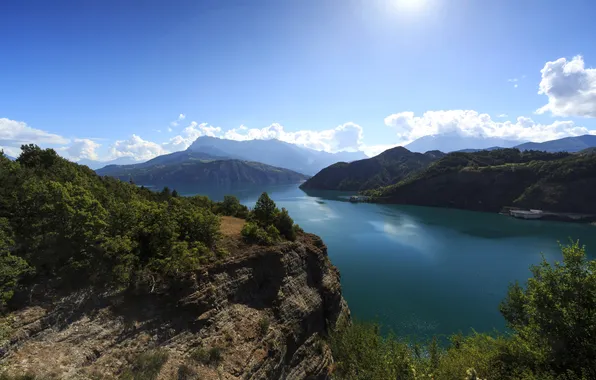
point(274, 152)
point(451, 142)
point(94, 164)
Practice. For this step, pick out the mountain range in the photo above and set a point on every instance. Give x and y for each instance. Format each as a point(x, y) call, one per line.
point(387, 168)
point(93, 164)
point(274, 152)
point(195, 168)
point(451, 142)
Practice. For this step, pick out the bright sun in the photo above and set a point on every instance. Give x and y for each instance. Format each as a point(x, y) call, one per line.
point(409, 3)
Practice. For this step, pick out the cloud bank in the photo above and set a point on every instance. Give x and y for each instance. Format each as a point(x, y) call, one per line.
point(409, 127)
point(570, 88)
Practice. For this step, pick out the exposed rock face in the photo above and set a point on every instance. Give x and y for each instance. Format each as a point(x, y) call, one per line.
point(265, 310)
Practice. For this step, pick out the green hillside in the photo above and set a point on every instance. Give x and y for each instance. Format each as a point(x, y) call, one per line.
point(490, 180)
point(387, 168)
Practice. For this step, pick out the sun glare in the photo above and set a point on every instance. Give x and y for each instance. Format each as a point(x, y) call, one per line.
point(411, 4)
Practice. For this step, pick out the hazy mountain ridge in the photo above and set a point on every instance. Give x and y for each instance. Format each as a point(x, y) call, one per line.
point(451, 142)
point(93, 164)
point(211, 172)
point(275, 152)
point(387, 168)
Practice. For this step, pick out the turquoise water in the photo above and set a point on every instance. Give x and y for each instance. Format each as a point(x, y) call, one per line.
point(417, 270)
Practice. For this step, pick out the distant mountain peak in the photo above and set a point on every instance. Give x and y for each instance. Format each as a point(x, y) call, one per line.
point(274, 152)
point(451, 142)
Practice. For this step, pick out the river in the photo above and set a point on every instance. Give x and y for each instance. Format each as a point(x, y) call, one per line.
point(421, 271)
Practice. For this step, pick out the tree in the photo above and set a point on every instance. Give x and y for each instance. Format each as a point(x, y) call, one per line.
point(285, 224)
point(265, 211)
point(12, 268)
point(556, 313)
point(174, 194)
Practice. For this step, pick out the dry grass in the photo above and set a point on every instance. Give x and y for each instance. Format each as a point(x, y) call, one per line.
point(231, 226)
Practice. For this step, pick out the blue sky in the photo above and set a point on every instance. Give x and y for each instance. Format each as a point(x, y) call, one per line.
point(103, 79)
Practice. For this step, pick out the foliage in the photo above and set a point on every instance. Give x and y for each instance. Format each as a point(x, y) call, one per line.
point(263, 325)
point(252, 233)
point(555, 313)
point(552, 322)
point(231, 206)
point(62, 224)
point(265, 211)
point(491, 180)
point(387, 168)
point(212, 355)
point(267, 224)
point(146, 366)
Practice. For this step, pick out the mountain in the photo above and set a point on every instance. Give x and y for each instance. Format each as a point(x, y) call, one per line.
point(490, 180)
point(208, 172)
point(478, 150)
point(93, 164)
point(566, 144)
point(387, 168)
point(274, 152)
point(451, 142)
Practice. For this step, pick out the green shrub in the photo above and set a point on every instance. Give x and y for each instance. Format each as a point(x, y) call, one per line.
point(209, 356)
point(263, 325)
point(253, 234)
point(186, 372)
point(285, 224)
point(146, 366)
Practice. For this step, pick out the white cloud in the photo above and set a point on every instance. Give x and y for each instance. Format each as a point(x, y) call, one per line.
point(471, 123)
point(176, 122)
point(137, 148)
point(82, 148)
point(14, 133)
point(570, 88)
point(515, 85)
point(347, 136)
point(513, 80)
point(503, 115)
point(189, 135)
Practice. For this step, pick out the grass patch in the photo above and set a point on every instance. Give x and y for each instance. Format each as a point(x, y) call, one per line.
point(146, 366)
point(263, 325)
point(209, 356)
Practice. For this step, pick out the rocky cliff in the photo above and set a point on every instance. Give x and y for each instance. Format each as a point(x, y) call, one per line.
point(260, 314)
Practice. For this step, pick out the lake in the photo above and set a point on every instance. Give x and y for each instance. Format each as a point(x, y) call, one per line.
point(421, 271)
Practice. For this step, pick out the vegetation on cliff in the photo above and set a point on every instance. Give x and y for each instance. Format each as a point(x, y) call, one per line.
point(490, 180)
point(552, 321)
point(66, 227)
point(387, 168)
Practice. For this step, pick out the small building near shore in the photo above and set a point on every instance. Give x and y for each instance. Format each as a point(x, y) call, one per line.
point(527, 214)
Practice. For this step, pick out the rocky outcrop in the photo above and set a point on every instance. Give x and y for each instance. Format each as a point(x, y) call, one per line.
point(262, 314)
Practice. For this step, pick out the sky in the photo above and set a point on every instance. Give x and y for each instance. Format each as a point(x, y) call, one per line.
point(107, 78)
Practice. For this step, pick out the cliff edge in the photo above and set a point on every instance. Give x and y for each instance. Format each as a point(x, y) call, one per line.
point(258, 314)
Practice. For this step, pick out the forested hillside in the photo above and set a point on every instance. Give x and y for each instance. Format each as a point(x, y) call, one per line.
point(63, 226)
point(192, 168)
point(490, 180)
point(387, 168)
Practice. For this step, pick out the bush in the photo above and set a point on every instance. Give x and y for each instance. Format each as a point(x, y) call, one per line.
point(285, 225)
point(231, 206)
point(207, 357)
point(146, 366)
point(263, 325)
point(253, 234)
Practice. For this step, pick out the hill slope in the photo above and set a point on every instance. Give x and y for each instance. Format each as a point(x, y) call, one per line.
point(196, 171)
point(387, 168)
point(274, 152)
point(490, 180)
point(567, 144)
